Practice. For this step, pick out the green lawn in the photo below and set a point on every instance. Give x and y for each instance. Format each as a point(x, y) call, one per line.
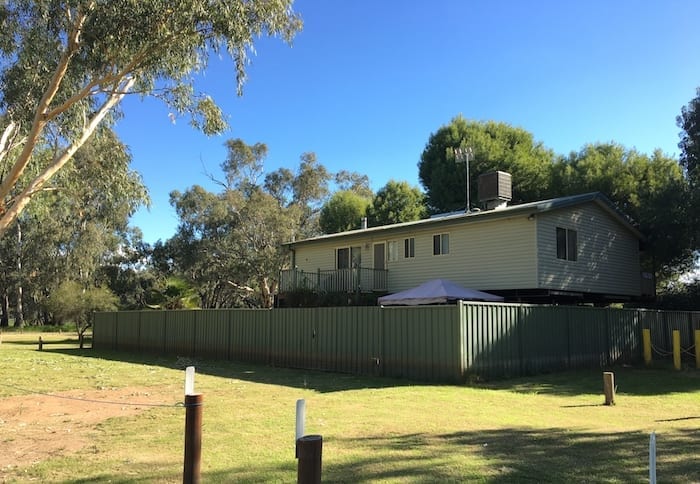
point(550, 428)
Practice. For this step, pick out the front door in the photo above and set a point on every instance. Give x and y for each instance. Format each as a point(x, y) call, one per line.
point(379, 266)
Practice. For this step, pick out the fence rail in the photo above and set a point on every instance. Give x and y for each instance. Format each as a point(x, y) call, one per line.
point(429, 343)
point(360, 279)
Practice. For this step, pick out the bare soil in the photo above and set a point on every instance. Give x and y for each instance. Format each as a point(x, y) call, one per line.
point(36, 427)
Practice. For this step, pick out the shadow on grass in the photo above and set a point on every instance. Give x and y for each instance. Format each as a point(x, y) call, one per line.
point(68, 340)
point(320, 381)
point(510, 455)
point(522, 455)
point(629, 380)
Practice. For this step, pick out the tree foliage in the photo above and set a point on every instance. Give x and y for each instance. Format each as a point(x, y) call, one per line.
point(72, 302)
point(496, 146)
point(71, 227)
point(689, 122)
point(65, 67)
point(228, 244)
point(343, 211)
point(397, 202)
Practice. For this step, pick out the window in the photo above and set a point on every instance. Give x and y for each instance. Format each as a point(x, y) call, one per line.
point(567, 245)
point(393, 248)
point(409, 248)
point(441, 244)
point(343, 258)
point(348, 257)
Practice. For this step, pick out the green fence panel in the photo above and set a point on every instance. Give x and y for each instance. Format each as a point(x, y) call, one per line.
point(153, 331)
point(492, 340)
point(104, 331)
point(624, 346)
point(327, 323)
point(128, 332)
point(366, 353)
point(587, 344)
point(180, 333)
point(212, 334)
point(545, 339)
point(434, 343)
point(422, 343)
point(292, 342)
point(250, 335)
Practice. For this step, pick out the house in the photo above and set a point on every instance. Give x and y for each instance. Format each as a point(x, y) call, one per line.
point(571, 249)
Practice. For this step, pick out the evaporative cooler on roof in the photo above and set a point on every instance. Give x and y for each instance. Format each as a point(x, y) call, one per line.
point(495, 189)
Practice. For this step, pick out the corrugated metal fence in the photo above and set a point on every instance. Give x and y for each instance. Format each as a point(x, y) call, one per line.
point(428, 343)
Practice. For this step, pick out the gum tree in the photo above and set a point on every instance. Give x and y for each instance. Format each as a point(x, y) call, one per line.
point(65, 66)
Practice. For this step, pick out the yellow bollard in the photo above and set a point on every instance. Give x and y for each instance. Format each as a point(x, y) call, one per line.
point(697, 349)
point(646, 339)
point(676, 349)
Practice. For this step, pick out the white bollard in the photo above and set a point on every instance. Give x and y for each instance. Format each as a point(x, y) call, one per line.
point(189, 380)
point(301, 417)
point(652, 458)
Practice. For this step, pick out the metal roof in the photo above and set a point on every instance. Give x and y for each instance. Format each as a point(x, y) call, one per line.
point(478, 216)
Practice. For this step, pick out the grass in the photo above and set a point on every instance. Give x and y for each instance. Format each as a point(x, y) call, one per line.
point(550, 428)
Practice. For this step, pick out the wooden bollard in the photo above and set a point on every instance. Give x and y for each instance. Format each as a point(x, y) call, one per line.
point(609, 387)
point(41, 344)
point(309, 450)
point(193, 438)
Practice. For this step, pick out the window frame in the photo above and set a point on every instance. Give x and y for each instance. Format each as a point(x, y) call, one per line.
point(392, 250)
point(566, 244)
point(409, 248)
point(353, 252)
point(441, 244)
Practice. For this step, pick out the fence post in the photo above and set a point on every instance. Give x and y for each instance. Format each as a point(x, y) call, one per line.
point(609, 387)
point(193, 438)
point(697, 349)
point(309, 450)
point(676, 349)
point(646, 338)
point(193, 430)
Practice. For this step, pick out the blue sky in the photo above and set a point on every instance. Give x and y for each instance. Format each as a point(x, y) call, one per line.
point(366, 83)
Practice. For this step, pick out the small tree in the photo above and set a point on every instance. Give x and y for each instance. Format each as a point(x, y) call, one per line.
point(397, 202)
point(73, 302)
point(343, 211)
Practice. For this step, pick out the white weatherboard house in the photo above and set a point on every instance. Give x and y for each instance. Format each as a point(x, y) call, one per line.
point(571, 249)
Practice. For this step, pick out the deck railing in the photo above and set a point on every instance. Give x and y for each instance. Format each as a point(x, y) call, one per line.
point(360, 279)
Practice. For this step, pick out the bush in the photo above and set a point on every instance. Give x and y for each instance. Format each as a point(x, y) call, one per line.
point(72, 302)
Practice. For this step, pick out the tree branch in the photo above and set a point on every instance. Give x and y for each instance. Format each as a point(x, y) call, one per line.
point(60, 160)
point(40, 119)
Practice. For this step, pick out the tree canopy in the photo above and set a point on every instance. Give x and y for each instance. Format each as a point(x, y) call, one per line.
point(689, 122)
point(343, 211)
point(397, 202)
point(65, 67)
point(228, 244)
point(495, 146)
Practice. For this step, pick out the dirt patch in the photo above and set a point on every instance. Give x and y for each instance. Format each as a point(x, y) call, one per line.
point(36, 427)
